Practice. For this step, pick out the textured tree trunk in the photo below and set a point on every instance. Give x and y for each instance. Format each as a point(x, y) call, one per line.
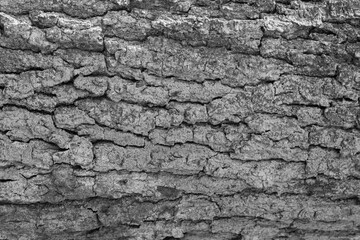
point(179, 119)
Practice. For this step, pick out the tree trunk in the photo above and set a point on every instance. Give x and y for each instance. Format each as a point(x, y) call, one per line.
point(179, 119)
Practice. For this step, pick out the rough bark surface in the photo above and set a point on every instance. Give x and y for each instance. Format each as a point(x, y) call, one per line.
point(179, 119)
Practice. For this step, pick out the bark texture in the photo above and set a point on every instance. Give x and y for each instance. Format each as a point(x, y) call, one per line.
point(179, 119)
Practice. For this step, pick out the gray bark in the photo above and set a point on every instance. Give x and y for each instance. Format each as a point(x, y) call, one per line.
point(179, 119)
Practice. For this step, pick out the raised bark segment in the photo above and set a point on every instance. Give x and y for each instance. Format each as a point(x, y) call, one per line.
point(180, 119)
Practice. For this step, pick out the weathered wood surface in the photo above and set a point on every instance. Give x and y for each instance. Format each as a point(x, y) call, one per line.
point(179, 119)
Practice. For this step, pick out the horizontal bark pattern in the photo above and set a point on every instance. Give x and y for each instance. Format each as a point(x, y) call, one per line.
point(179, 119)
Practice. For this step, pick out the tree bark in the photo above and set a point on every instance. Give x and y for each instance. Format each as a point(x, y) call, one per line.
point(179, 119)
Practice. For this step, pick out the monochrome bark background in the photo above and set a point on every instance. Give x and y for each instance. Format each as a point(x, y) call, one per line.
point(179, 119)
